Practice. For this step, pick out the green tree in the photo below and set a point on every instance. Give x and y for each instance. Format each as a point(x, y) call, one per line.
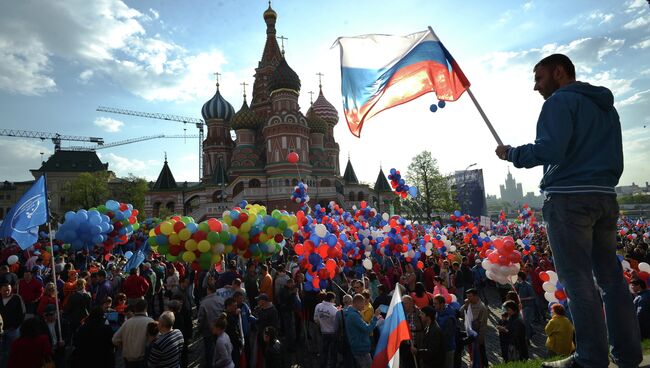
point(87, 190)
point(634, 199)
point(435, 193)
point(131, 189)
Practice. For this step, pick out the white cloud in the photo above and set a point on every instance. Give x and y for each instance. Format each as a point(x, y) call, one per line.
point(639, 22)
point(122, 166)
point(636, 5)
point(154, 13)
point(20, 155)
point(105, 38)
point(528, 5)
point(639, 97)
point(642, 44)
point(109, 124)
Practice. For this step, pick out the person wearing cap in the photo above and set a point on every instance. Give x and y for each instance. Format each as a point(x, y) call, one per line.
point(12, 311)
point(103, 290)
point(58, 340)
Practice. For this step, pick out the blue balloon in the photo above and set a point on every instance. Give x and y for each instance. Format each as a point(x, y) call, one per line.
point(69, 215)
point(413, 191)
point(433, 108)
point(457, 213)
point(112, 205)
point(442, 104)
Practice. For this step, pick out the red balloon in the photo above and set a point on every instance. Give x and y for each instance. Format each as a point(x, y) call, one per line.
point(315, 282)
point(293, 158)
point(493, 257)
point(560, 294)
point(299, 249)
point(544, 276)
point(420, 265)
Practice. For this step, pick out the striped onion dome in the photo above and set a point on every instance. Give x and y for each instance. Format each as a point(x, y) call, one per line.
point(325, 110)
point(316, 124)
point(217, 108)
point(245, 118)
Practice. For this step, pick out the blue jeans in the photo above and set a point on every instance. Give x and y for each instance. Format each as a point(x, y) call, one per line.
point(328, 351)
point(582, 236)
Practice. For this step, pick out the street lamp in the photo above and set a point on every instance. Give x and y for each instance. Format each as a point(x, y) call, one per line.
point(471, 165)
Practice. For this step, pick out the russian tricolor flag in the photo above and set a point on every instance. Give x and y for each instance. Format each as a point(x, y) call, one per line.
point(382, 71)
point(394, 330)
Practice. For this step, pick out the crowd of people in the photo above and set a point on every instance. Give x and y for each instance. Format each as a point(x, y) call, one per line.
point(258, 314)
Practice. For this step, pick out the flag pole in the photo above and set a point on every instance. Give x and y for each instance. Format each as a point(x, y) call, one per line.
point(485, 118)
point(478, 106)
point(52, 261)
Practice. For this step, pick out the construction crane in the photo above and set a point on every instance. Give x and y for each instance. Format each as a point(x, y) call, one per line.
point(127, 141)
point(55, 137)
point(199, 123)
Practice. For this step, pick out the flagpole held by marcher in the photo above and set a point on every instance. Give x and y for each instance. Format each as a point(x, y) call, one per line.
point(478, 106)
point(52, 260)
point(485, 118)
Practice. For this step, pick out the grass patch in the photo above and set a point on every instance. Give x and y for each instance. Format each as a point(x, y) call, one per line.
point(645, 345)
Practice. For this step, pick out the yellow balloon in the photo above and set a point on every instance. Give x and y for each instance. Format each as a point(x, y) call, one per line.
point(294, 228)
point(216, 258)
point(227, 249)
point(233, 230)
point(184, 234)
point(166, 228)
point(203, 246)
point(227, 220)
point(263, 238)
point(152, 232)
point(272, 231)
point(189, 257)
point(174, 239)
point(191, 245)
point(245, 227)
point(252, 218)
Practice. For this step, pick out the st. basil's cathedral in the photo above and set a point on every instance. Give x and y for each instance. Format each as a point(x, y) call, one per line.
point(254, 167)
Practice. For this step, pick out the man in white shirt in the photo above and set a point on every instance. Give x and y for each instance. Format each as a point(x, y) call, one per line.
point(325, 317)
point(132, 336)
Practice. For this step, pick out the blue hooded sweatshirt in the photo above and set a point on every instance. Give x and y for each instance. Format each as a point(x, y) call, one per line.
point(578, 142)
point(358, 331)
point(448, 324)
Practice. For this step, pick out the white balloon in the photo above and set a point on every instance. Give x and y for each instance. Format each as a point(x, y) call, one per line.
point(551, 297)
point(12, 259)
point(644, 267)
point(552, 277)
point(385, 216)
point(549, 287)
point(489, 274)
point(428, 252)
point(452, 248)
point(218, 248)
point(367, 264)
point(486, 265)
point(321, 230)
point(454, 299)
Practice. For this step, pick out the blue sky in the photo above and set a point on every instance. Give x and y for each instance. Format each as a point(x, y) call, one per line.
point(59, 60)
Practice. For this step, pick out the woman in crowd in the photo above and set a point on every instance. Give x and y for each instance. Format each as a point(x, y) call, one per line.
point(421, 297)
point(92, 341)
point(514, 333)
point(49, 297)
point(559, 332)
point(32, 349)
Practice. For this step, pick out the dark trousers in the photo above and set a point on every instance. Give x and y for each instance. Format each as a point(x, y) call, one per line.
point(328, 351)
point(138, 364)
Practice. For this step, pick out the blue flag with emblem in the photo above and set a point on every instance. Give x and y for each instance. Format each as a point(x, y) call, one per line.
point(22, 221)
point(134, 262)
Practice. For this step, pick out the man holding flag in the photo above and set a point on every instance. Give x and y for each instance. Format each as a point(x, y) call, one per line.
point(358, 331)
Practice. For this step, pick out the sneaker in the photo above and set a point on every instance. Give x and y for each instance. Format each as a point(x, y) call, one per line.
point(564, 363)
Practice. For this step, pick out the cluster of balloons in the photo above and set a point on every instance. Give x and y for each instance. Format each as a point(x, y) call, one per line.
point(526, 214)
point(441, 104)
point(553, 289)
point(502, 262)
point(247, 231)
point(124, 219)
point(527, 248)
point(399, 185)
point(300, 195)
point(84, 229)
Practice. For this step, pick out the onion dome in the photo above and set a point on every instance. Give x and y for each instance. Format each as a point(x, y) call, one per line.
point(325, 110)
point(316, 124)
point(217, 108)
point(270, 13)
point(284, 77)
point(245, 118)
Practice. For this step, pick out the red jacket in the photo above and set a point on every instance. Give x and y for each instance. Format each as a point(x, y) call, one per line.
point(135, 286)
point(31, 291)
point(29, 352)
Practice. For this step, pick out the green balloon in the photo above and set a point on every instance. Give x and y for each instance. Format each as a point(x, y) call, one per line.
point(213, 237)
point(152, 241)
point(225, 237)
point(276, 214)
point(204, 227)
point(163, 249)
point(187, 219)
point(282, 225)
point(170, 257)
point(101, 208)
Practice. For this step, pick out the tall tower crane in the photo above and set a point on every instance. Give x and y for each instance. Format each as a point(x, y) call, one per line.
point(55, 137)
point(128, 141)
point(199, 123)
